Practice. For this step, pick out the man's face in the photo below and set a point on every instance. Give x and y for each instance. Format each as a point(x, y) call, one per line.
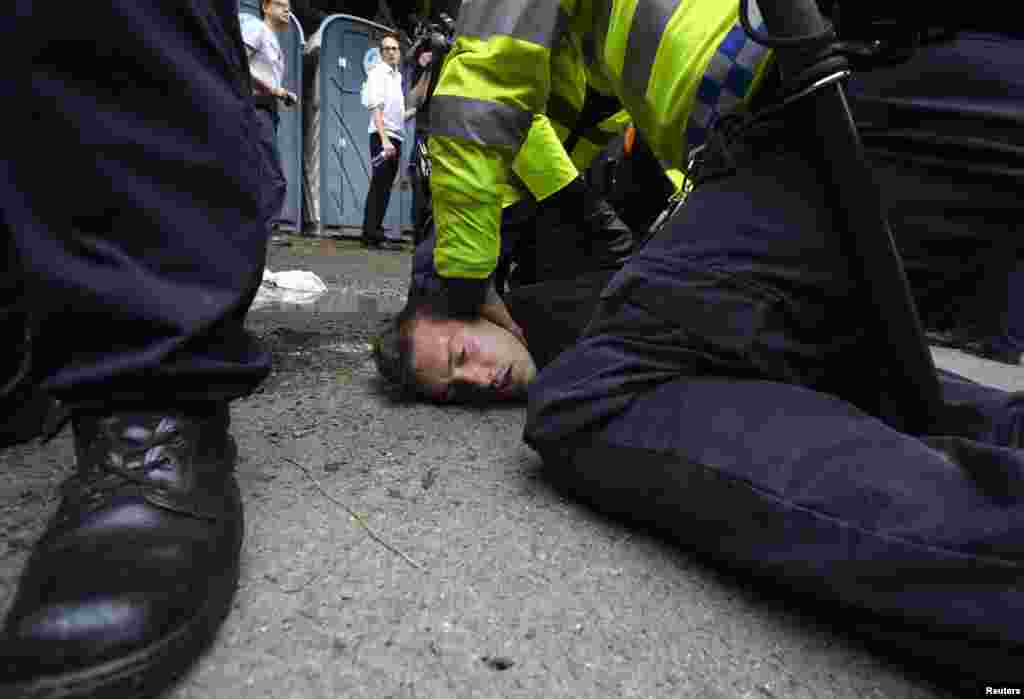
point(277, 11)
point(389, 51)
point(462, 361)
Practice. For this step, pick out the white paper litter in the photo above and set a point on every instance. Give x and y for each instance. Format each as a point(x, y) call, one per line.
point(293, 286)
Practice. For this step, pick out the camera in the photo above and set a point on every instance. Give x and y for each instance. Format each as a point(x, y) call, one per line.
point(436, 37)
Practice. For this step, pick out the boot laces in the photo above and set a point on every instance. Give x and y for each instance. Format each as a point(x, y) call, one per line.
point(117, 464)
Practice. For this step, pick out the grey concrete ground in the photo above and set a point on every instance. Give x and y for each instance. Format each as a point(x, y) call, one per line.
point(493, 585)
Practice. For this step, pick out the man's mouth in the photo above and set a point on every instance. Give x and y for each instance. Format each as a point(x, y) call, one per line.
point(504, 379)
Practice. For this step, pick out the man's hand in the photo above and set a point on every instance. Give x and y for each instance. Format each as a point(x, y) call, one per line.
point(289, 98)
point(495, 310)
point(389, 150)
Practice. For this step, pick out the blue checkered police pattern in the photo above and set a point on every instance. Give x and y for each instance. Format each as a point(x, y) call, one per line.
point(727, 79)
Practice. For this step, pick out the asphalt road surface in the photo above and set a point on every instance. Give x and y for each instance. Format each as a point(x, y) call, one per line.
point(463, 573)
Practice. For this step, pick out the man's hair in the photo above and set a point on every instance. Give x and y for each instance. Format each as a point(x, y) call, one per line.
point(390, 35)
point(392, 348)
point(263, 15)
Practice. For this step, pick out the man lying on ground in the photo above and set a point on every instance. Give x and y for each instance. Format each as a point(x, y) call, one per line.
point(432, 351)
point(429, 351)
point(551, 270)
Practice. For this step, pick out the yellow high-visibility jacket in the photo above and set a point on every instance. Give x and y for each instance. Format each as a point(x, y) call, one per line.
point(542, 166)
point(673, 65)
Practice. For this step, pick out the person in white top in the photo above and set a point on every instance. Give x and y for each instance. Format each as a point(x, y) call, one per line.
point(388, 113)
point(266, 68)
point(266, 59)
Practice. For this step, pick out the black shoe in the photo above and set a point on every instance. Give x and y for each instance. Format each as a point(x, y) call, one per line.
point(139, 566)
point(382, 244)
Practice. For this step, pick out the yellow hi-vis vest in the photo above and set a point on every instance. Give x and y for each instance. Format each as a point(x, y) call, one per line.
point(542, 167)
point(675, 65)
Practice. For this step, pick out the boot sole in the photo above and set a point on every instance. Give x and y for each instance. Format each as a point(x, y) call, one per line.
point(149, 671)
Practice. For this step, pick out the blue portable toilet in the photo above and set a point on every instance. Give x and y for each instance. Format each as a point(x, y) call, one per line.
point(337, 156)
point(289, 130)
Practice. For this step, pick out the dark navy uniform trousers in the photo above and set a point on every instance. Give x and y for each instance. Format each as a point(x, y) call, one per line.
point(728, 391)
point(945, 133)
point(133, 191)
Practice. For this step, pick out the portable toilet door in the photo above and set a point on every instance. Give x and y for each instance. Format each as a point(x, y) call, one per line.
point(349, 48)
point(289, 130)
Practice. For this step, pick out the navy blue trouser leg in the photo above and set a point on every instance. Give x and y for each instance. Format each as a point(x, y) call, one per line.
point(381, 180)
point(133, 195)
point(945, 133)
point(275, 186)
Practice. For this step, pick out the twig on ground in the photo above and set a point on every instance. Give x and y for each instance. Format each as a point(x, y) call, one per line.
point(300, 588)
point(354, 515)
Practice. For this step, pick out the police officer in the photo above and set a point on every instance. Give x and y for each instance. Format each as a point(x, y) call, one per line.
point(704, 67)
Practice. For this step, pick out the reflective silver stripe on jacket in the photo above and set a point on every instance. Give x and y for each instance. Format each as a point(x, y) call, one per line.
point(539, 22)
point(602, 10)
point(479, 121)
point(649, 21)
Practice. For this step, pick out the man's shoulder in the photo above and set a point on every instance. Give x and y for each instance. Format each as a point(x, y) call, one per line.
point(252, 27)
point(257, 29)
point(380, 73)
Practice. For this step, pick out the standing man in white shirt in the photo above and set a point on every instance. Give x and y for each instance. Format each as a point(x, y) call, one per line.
point(266, 67)
point(386, 102)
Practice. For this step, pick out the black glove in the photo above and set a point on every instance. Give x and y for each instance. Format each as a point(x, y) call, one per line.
point(602, 236)
point(465, 296)
point(609, 241)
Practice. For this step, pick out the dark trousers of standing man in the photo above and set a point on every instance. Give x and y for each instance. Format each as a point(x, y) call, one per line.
point(381, 180)
point(274, 183)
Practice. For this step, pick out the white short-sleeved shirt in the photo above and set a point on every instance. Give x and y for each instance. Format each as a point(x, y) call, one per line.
point(266, 59)
point(384, 91)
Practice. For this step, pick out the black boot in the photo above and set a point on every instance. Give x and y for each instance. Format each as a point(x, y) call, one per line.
point(139, 566)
